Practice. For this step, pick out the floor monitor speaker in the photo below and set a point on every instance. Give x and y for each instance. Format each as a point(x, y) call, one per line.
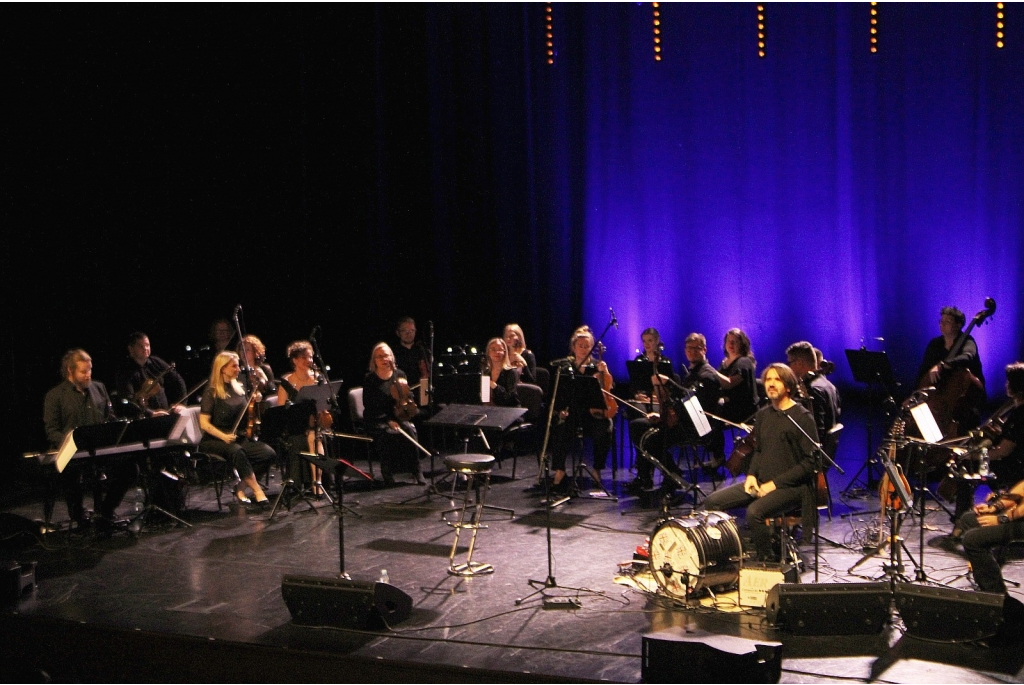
point(676, 655)
point(341, 603)
point(942, 613)
point(830, 608)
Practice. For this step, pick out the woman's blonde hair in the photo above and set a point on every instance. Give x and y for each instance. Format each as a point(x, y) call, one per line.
point(216, 375)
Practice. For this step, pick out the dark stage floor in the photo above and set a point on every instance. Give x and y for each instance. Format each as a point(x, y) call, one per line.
point(205, 604)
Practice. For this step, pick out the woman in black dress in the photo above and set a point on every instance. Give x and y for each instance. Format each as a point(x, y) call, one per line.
point(382, 384)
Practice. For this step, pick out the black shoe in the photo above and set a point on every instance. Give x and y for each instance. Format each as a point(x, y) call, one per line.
point(420, 480)
point(389, 481)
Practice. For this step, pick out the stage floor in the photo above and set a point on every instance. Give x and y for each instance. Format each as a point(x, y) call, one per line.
point(218, 584)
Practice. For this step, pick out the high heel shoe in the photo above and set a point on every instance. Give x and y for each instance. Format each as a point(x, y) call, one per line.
point(242, 499)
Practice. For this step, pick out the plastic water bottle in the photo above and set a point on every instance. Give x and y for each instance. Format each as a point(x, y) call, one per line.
point(983, 464)
point(138, 500)
point(384, 576)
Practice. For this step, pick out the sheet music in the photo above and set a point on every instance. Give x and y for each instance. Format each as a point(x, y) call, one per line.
point(926, 423)
point(700, 421)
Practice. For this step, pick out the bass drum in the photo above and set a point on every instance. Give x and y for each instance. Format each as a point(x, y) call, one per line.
point(695, 553)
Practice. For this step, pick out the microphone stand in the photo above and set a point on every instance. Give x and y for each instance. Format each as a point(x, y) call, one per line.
point(550, 582)
point(820, 456)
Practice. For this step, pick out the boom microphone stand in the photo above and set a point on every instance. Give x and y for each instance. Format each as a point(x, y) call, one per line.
point(550, 583)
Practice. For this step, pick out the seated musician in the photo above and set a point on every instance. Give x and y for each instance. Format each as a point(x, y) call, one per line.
point(737, 375)
point(570, 422)
point(525, 362)
point(256, 363)
point(304, 374)
point(781, 470)
point(652, 352)
point(989, 526)
point(504, 378)
point(382, 388)
point(823, 395)
point(1004, 436)
point(411, 355)
point(222, 416)
point(146, 383)
point(703, 381)
point(81, 401)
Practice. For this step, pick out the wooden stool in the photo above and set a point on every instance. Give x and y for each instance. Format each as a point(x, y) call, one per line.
point(477, 470)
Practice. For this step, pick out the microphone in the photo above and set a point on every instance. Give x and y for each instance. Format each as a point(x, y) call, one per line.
point(238, 309)
point(312, 333)
point(615, 322)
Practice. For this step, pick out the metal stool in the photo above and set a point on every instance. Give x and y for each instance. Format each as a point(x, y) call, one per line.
point(477, 470)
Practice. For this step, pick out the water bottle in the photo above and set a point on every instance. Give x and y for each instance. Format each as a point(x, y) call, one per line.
point(138, 500)
point(384, 576)
point(983, 469)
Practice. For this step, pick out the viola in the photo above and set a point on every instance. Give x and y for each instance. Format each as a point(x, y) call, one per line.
point(151, 386)
point(611, 406)
point(405, 405)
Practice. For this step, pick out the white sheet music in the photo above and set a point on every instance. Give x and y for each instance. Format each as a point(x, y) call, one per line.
point(926, 423)
point(700, 421)
point(485, 388)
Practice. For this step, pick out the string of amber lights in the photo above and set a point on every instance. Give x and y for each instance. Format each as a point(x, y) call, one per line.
point(874, 27)
point(761, 32)
point(657, 31)
point(999, 25)
point(549, 33)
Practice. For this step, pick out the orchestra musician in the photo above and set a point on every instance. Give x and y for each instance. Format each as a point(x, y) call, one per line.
point(700, 378)
point(259, 370)
point(823, 395)
point(518, 354)
point(81, 401)
point(411, 355)
point(1003, 436)
point(652, 351)
point(571, 422)
point(988, 526)
point(222, 416)
point(781, 471)
point(303, 374)
point(504, 378)
point(737, 374)
point(935, 367)
point(143, 380)
point(383, 386)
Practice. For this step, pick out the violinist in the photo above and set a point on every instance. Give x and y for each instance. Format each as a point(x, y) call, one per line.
point(504, 378)
point(737, 376)
point(653, 349)
point(386, 395)
point(222, 417)
point(147, 384)
point(1003, 436)
point(411, 355)
point(572, 421)
point(781, 470)
point(259, 370)
point(674, 429)
point(304, 374)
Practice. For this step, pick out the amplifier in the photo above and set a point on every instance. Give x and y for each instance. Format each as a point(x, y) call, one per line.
point(756, 580)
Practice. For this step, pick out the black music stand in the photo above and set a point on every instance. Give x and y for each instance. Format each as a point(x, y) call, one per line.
point(463, 388)
point(874, 370)
point(583, 393)
point(146, 432)
point(640, 372)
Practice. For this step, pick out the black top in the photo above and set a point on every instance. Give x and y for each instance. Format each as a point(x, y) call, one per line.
point(504, 393)
point(825, 398)
point(529, 372)
point(66, 408)
point(378, 403)
point(784, 455)
point(1010, 468)
point(701, 378)
point(130, 378)
point(223, 413)
point(408, 360)
point(936, 352)
point(741, 399)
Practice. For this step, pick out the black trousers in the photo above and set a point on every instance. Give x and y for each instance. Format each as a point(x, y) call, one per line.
point(980, 543)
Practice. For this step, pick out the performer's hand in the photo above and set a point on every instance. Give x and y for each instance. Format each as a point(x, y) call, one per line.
point(393, 425)
point(597, 413)
point(750, 486)
point(228, 437)
point(517, 360)
point(563, 414)
point(988, 520)
point(766, 488)
point(933, 374)
point(985, 509)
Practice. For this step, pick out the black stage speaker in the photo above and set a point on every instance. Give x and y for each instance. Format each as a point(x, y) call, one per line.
point(829, 608)
point(676, 655)
point(341, 603)
point(942, 613)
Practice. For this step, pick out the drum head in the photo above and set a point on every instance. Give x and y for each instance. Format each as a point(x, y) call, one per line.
point(696, 552)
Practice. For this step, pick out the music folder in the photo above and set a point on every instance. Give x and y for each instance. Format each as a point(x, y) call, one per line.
point(321, 394)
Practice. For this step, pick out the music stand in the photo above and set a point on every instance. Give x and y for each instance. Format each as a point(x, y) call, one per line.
point(325, 395)
point(874, 370)
point(146, 432)
point(583, 393)
point(640, 372)
point(463, 388)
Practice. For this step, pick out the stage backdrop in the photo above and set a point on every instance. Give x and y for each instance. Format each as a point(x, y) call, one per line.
point(343, 165)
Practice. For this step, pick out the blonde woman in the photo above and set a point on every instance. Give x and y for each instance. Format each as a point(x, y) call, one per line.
point(221, 419)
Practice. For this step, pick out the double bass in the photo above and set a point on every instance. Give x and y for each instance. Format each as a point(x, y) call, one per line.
point(957, 390)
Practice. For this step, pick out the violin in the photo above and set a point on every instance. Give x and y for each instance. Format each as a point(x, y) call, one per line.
point(405, 405)
point(150, 387)
point(252, 419)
